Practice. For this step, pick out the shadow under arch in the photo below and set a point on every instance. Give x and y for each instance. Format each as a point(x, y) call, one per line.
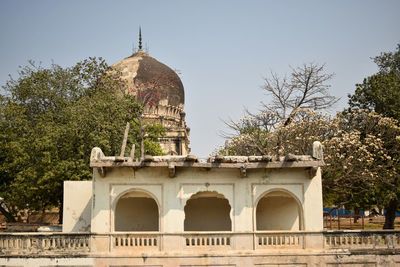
point(278, 209)
point(136, 210)
point(207, 211)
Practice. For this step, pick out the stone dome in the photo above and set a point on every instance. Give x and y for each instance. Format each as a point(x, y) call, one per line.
point(142, 71)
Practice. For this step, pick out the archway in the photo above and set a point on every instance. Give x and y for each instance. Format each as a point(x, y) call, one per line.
point(278, 210)
point(207, 211)
point(136, 211)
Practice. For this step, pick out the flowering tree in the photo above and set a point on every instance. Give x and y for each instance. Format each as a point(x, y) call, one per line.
point(264, 132)
point(361, 147)
point(363, 162)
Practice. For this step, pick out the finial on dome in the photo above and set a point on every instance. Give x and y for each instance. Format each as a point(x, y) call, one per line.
point(140, 38)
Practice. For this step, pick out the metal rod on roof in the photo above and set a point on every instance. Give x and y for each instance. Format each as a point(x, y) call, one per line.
point(124, 140)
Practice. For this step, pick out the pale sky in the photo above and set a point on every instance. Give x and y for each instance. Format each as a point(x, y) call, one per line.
point(223, 49)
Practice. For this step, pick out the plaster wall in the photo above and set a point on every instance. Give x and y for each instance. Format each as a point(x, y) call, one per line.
point(136, 214)
point(207, 214)
point(172, 194)
point(77, 206)
point(271, 259)
point(277, 212)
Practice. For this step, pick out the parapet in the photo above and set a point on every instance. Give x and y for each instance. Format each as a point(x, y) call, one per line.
point(312, 161)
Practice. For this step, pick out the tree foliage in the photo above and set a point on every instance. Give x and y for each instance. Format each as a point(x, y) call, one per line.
point(381, 92)
point(361, 147)
point(361, 152)
point(362, 160)
point(50, 119)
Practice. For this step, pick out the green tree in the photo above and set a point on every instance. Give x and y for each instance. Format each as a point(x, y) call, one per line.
point(381, 91)
point(50, 119)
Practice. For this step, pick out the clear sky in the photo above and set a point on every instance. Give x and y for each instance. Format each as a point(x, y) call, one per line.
point(222, 48)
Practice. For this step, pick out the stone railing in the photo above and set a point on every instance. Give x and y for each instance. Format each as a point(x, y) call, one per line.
point(140, 241)
point(207, 240)
point(280, 240)
point(44, 243)
point(355, 240)
point(192, 242)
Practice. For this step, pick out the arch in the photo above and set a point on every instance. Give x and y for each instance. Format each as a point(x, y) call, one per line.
point(136, 210)
point(207, 211)
point(278, 209)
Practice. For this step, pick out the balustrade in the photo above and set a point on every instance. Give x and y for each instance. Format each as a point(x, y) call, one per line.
point(279, 240)
point(42, 243)
point(207, 240)
point(362, 239)
point(71, 243)
point(135, 241)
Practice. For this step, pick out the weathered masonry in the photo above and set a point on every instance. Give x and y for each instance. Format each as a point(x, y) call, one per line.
point(177, 194)
point(150, 79)
point(177, 211)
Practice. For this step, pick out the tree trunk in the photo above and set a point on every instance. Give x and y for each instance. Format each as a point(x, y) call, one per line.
point(9, 217)
point(380, 210)
point(61, 211)
point(356, 212)
point(390, 214)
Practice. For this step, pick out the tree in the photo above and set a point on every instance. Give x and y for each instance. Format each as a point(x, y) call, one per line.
point(361, 146)
point(381, 91)
point(262, 133)
point(50, 119)
point(361, 152)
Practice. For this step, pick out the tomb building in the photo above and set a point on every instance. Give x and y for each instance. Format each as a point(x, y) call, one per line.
point(160, 90)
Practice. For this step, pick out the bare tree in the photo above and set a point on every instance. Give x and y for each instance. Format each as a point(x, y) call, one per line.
point(306, 87)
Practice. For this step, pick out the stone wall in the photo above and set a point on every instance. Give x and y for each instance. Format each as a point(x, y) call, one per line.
point(337, 248)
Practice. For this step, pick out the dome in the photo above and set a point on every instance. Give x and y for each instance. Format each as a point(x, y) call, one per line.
point(142, 71)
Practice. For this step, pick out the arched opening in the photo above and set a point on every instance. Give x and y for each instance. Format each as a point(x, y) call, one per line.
point(136, 211)
point(278, 210)
point(207, 211)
